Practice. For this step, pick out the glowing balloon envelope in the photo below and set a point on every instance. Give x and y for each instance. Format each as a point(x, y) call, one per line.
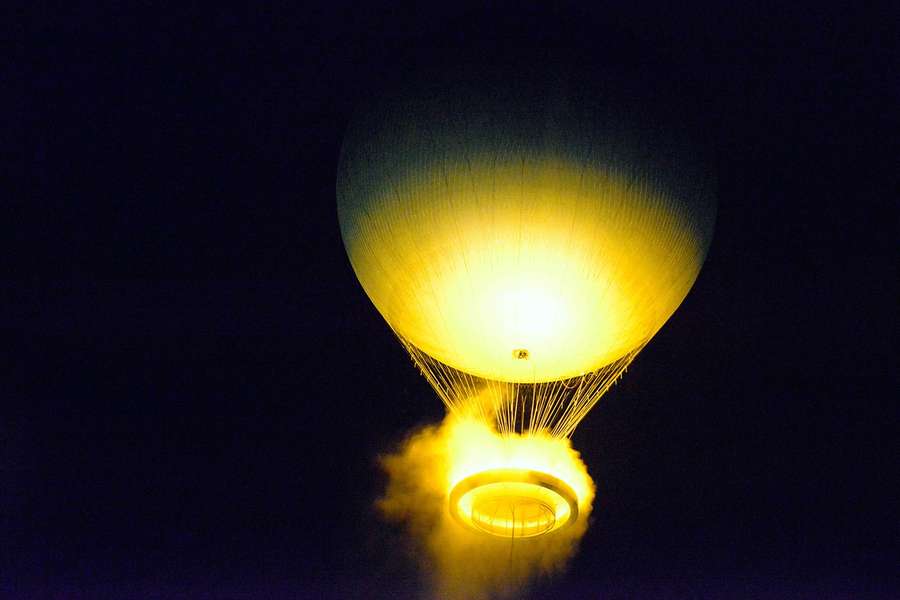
point(517, 235)
point(524, 241)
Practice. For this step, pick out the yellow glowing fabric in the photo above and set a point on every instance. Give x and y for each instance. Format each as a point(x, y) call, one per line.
point(516, 238)
point(524, 272)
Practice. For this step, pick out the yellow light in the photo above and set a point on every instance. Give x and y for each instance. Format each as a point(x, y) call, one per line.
point(513, 485)
point(524, 241)
point(513, 503)
point(522, 273)
point(524, 237)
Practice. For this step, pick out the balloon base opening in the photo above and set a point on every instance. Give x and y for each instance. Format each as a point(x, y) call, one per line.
point(513, 503)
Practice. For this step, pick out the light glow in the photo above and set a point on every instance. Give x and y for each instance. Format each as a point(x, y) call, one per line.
point(513, 503)
point(513, 485)
point(574, 265)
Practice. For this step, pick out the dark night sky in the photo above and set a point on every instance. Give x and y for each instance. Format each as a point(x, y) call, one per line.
point(195, 388)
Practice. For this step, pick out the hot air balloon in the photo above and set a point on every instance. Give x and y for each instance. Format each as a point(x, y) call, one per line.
point(524, 237)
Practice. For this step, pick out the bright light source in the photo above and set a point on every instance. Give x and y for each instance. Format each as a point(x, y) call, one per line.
point(513, 503)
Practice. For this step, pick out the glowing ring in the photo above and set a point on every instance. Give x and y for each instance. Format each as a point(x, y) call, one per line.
point(513, 503)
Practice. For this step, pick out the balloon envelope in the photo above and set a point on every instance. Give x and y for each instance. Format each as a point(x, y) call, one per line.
point(520, 235)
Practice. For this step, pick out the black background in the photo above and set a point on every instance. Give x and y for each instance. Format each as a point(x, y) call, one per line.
point(195, 387)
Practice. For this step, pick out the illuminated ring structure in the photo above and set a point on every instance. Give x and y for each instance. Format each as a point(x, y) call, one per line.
point(513, 503)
